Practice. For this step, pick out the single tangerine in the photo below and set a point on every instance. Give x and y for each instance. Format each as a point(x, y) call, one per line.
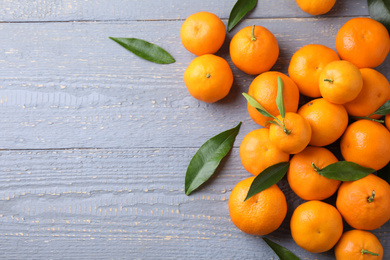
point(254, 49)
point(261, 214)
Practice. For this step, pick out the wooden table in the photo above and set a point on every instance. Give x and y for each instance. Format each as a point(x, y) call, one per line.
point(95, 141)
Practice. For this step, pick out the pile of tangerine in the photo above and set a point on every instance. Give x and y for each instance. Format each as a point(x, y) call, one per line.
point(339, 88)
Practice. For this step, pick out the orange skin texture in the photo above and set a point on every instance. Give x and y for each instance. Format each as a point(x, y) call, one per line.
point(367, 143)
point(354, 207)
point(264, 89)
point(305, 181)
point(258, 153)
point(328, 121)
point(316, 7)
point(261, 214)
point(364, 42)
point(208, 78)
point(375, 92)
point(306, 66)
point(387, 121)
point(297, 139)
point(354, 241)
point(316, 226)
point(347, 82)
point(254, 56)
point(202, 33)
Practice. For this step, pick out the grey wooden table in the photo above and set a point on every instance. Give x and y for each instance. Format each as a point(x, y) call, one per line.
point(95, 142)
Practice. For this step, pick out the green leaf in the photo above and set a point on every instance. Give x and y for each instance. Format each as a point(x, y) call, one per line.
point(345, 171)
point(267, 178)
point(253, 102)
point(206, 160)
point(145, 50)
point(384, 173)
point(380, 11)
point(240, 9)
point(282, 252)
point(384, 109)
point(279, 98)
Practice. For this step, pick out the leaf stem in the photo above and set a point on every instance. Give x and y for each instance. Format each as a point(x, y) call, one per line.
point(253, 33)
point(329, 80)
point(315, 167)
point(371, 198)
point(364, 251)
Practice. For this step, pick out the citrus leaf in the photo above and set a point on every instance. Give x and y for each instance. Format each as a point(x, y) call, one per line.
point(253, 102)
point(384, 109)
point(380, 11)
point(206, 160)
point(279, 98)
point(145, 50)
point(345, 171)
point(240, 9)
point(267, 178)
point(282, 252)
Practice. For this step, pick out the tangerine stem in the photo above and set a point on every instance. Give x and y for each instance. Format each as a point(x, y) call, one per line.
point(286, 130)
point(371, 198)
point(253, 33)
point(315, 167)
point(329, 80)
point(364, 251)
point(208, 75)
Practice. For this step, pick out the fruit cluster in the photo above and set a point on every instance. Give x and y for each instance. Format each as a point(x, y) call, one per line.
point(343, 87)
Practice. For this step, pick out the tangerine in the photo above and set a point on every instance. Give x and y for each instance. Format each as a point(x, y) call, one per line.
point(208, 78)
point(363, 41)
point(202, 33)
point(254, 49)
point(364, 204)
point(367, 143)
point(303, 176)
point(358, 245)
point(340, 82)
point(316, 226)
point(261, 214)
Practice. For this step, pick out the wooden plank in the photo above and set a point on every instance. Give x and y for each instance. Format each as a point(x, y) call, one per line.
point(126, 203)
point(130, 10)
point(65, 85)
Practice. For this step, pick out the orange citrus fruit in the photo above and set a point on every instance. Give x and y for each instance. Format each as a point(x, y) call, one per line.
point(254, 49)
point(328, 121)
point(258, 153)
point(264, 89)
point(306, 66)
point(364, 204)
point(202, 33)
point(375, 92)
point(340, 82)
point(259, 215)
point(358, 245)
point(208, 78)
point(367, 143)
point(316, 226)
point(316, 7)
point(303, 177)
point(364, 42)
point(387, 121)
point(291, 134)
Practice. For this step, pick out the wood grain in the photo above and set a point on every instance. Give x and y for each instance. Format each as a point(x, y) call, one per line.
point(131, 10)
point(56, 203)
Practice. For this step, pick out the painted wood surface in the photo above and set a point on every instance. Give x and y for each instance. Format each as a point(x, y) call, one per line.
point(95, 141)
